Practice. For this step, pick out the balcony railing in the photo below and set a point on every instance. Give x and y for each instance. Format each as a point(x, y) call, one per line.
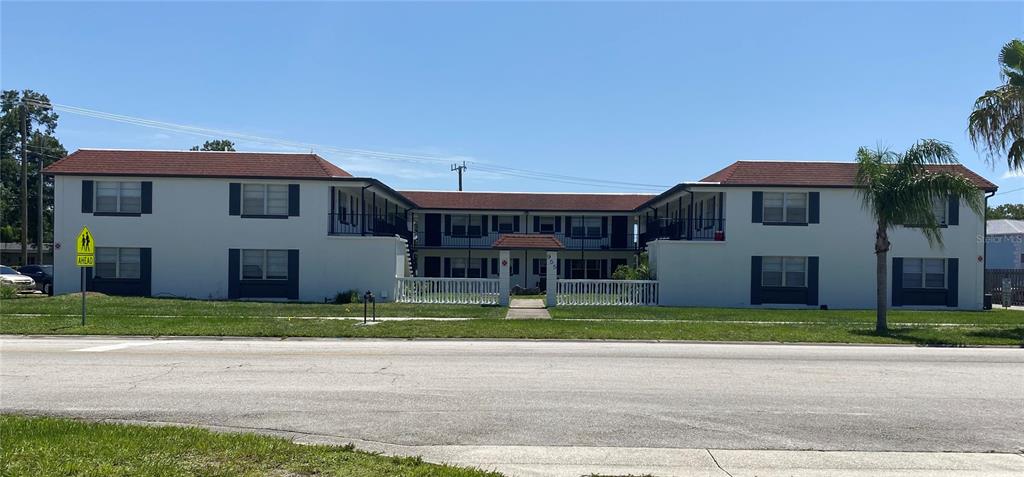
point(368, 224)
point(683, 229)
point(629, 242)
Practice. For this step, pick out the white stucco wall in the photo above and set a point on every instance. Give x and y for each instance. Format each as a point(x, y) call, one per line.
point(699, 273)
point(190, 232)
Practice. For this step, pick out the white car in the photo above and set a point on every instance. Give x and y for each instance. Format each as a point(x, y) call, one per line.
point(11, 277)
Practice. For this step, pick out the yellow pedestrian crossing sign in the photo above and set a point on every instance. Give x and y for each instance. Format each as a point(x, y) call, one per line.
point(85, 244)
point(86, 247)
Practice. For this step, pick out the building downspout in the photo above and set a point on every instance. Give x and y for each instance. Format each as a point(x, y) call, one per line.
point(362, 209)
point(984, 249)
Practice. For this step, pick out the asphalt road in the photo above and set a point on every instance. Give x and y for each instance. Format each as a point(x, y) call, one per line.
point(522, 393)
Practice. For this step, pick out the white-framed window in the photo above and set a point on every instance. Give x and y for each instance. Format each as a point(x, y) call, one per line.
point(547, 225)
point(467, 225)
point(118, 262)
point(588, 269)
point(784, 271)
point(260, 264)
point(586, 227)
point(785, 207)
point(506, 224)
point(924, 273)
point(264, 199)
point(465, 268)
point(118, 197)
point(940, 209)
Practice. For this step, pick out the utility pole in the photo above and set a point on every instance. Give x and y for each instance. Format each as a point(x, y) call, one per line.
point(39, 244)
point(461, 169)
point(24, 182)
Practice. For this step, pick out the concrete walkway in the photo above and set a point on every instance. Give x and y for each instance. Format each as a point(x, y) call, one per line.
point(527, 309)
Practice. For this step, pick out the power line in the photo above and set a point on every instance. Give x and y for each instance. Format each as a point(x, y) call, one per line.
point(428, 159)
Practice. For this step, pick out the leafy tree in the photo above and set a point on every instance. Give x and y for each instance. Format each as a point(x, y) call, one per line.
point(42, 146)
point(900, 189)
point(215, 145)
point(1006, 211)
point(996, 126)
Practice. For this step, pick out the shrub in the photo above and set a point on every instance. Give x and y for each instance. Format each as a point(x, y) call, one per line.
point(348, 296)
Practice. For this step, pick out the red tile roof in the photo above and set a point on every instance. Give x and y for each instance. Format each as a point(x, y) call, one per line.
point(526, 201)
point(527, 241)
point(196, 164)
point(818, 174)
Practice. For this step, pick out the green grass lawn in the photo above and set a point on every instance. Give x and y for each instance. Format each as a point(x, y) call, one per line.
point(101, 305)
point(40, 446)
point(160, 317)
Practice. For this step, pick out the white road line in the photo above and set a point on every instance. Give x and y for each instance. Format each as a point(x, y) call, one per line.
point(113, 347)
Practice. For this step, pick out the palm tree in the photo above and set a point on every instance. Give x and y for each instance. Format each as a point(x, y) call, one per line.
point(996, 125)
point(900, 189)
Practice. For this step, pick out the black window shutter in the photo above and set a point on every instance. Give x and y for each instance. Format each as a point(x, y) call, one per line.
point(897, 281)
point(515, 266)
point(293, 272)
point(757, 207)
point(146, 270)
point(812, 280)
point(952, 281)
point(604, 226)
point(483, 225)
point(233, 273)
point(293, 200)
point(755, 280)
point(536, 224)
point(483, 268)
point(558, 224)
point(447, 226)
point(147, 197)
point(536, 266)
point(568, 226)
point(447, 267)
point(814, 207)
point(515, 223)
point(235, 199)
point(494, 266)
point(954, 211)
point(494, 223)
point(86, 197)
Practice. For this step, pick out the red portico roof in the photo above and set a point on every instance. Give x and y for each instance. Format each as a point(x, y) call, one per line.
point(528, 241)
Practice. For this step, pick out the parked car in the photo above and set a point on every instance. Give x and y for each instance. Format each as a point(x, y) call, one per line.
point(11, 277)
point(42, 274)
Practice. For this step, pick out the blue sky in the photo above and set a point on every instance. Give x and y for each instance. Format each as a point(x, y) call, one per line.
point(652, 93)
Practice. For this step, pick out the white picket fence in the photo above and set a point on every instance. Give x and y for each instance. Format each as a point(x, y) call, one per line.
point(607, 292)
point(447, 291)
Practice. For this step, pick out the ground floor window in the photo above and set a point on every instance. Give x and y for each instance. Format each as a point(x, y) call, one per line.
point(586, 269)
point(259, 264)
point(784, 271)
point(118, 263)
point(462, 267)
point(924, 273)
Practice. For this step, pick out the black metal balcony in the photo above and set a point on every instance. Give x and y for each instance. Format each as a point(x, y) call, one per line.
point(385, 225)
point(683, 229)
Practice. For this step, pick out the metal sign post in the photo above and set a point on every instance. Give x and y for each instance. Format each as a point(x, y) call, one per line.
point(85, 258)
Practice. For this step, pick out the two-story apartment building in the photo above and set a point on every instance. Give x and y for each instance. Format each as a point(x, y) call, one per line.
point(796, 234)
point(226, 225)
point(294, 226)
point(459, 234)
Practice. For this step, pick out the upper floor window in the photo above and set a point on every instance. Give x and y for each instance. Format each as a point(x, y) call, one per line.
point(586, 227)
point(258, 264)
point(265, 199)
point(924, 273)
point(785, 207)
point(114, 262)
point(467, 225)
point(547, 225)
point(939, 209)
point(506, 224)
point(118, 197)
point(784, 271)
